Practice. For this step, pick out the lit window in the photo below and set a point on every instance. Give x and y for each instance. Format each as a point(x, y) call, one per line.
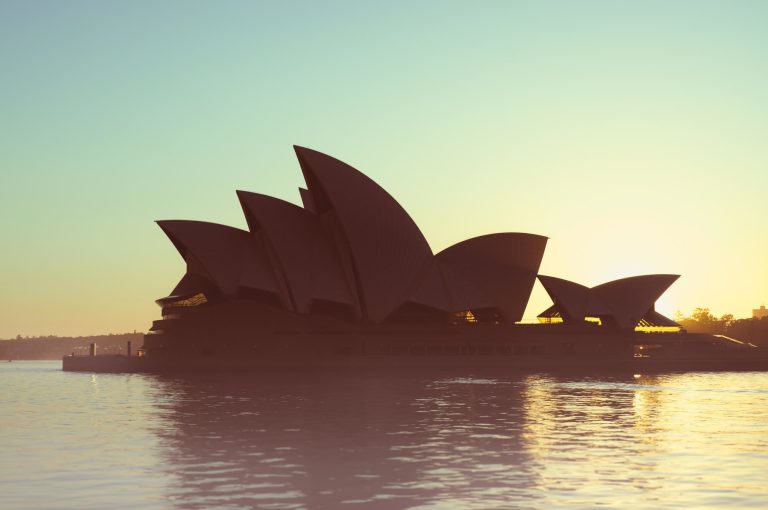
point(647, 326)
point(464, 317)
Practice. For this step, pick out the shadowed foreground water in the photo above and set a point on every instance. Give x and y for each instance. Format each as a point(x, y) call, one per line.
point(372, 440)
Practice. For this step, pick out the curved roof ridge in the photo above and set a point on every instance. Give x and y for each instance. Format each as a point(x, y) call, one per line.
point(627, 299)
point(632, 297)
point(639, 277)
point(570, 296)
point(303, 254)
point(386, 247)
point(502, 265)
point(495, 234)
point(231, 256)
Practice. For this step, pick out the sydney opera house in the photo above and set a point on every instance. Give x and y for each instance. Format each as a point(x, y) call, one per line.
point(350, 272)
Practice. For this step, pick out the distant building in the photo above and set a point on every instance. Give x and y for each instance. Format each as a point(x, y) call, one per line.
point(760, 312)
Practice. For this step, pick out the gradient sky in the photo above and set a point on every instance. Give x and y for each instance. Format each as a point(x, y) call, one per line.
point(633, 134)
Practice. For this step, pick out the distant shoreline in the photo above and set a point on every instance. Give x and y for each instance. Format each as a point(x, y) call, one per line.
point(55, 347)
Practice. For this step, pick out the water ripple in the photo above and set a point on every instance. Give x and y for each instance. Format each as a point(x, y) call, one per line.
point(375, 441)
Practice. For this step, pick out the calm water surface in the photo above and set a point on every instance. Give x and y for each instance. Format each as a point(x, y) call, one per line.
point(367, 440)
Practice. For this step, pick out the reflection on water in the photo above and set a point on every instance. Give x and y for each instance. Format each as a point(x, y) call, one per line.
point(383, 441)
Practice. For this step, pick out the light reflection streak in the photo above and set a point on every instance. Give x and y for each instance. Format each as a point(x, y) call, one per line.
point(538, 441)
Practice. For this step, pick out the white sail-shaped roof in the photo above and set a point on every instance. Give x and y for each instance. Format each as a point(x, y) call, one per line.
point(570, 297)
point(629, 299)
point(625, 301)
point(231, 257)
point(304, 255)
point(503, 266)
point(386, 248)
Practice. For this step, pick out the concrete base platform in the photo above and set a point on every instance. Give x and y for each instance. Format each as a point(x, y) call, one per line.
point(454, 363)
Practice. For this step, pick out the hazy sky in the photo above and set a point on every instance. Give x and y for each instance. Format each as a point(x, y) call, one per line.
point(633, 134)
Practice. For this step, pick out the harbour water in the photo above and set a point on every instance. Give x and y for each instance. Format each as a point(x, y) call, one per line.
point(381, 440)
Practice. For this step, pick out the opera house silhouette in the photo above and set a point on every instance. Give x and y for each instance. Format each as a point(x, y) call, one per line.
point(352, 260)
point(349, 275)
